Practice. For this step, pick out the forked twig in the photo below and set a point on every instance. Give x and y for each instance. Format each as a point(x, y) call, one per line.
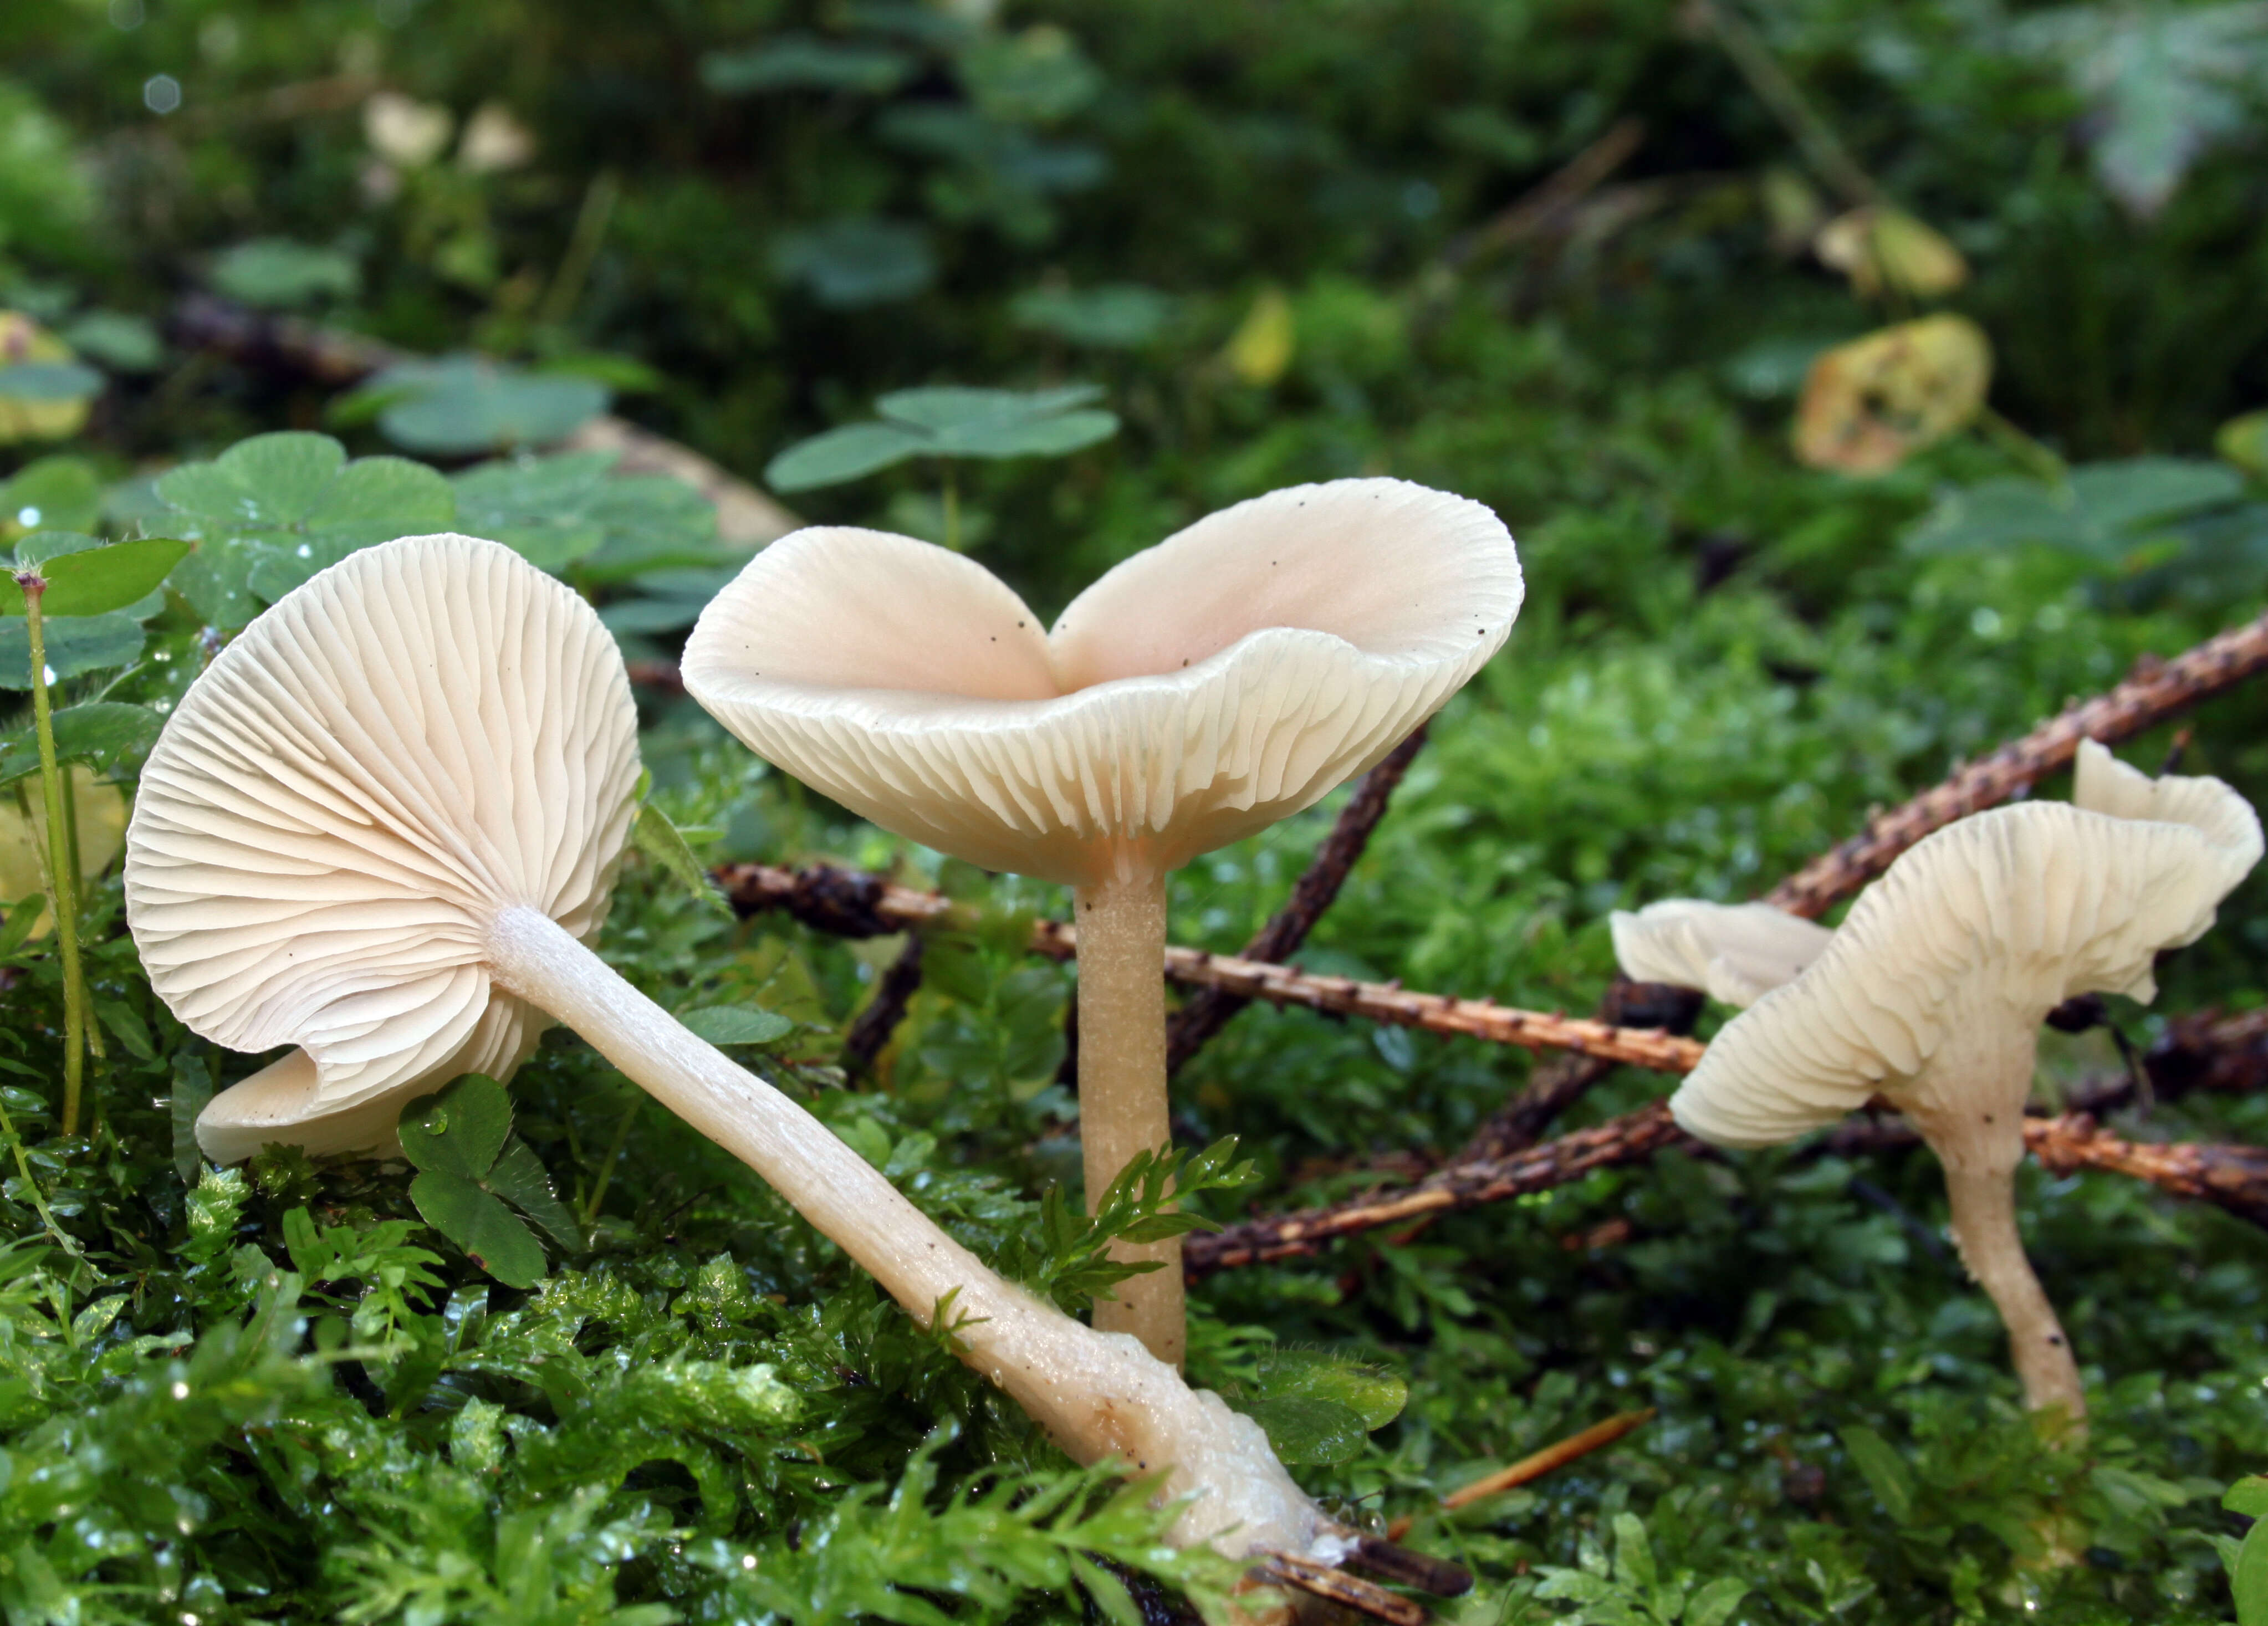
point(1207, 1013)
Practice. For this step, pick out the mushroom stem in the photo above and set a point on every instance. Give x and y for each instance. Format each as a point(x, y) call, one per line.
point(1121, 1085)
point(1985, 1231)
point(1097, 1395)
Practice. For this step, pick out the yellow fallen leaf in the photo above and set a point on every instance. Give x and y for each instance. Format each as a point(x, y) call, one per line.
point(101, 833)
point(23, 340)
point(2244, 442)
point(1261, 348)
point(1880, 248)
point(1870, 404)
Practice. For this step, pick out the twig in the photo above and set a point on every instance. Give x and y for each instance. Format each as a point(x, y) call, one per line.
point(1541, 210)
point(2235, 1178)
point(1535, 1465)
point(2232, 1177)
point(2210, 1051)
point(850, 903)
point(1563, 1080)
point(871, 1031)
point(1208, 1011)
point(1820, 146)
point(745, 516)
point(2156, 691)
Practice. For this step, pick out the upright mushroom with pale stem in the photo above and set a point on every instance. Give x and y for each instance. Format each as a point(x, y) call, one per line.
point(374, 826)
point(1199, 692)
point(1933, 990)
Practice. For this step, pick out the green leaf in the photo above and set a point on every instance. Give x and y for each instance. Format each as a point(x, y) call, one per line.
point(491, 1235)
point(393, 493)
point(1115, 316)
point(75, 645)
point(275, 273)
point(126, 342)
point(1306, 1430)
point(1714, 1603)
point(97, 580)
point(521, 1180)
point(459, 1129)
point(2249, 1497)
point(2248, 1577)
point(722, 1025)
point(947, 421)
point(265, 483)
point(107, 735)
point(463, 404)
point(795, 62)
point(850, 452)
point(858, 261)
point(193, 1088)
point(1373, 1394)
point(1884, 1469)
point(54, 493)
point(48, 381)
point(664, 847)
point(945, 409)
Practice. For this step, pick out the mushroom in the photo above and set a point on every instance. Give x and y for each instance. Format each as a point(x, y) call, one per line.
point(379, 827)
point(1732, 952)
point(1933, 990)
point(1196, 693)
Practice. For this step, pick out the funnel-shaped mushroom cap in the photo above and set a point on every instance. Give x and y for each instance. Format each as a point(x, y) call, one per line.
point(420, 736)
point(1932, 989)
point(1199, 692)
point(1734, 952)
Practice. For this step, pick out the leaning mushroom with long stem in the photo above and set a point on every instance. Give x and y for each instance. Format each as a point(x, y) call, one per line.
point(1195, 693)
point(378, 828)
point(1932, 992)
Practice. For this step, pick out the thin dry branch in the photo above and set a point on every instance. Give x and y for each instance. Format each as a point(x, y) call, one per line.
point(2156, 691)
point(849, 903)
point(1207, 1012)
point(2232, 1177)
point(871, 1031)
point(2210, 1051)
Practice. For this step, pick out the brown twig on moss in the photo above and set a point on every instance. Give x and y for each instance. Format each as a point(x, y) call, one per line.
point(2232, 1177)
point(871, 1029)
point(849, 903)
point(2235, 1178)
point(1208, 1011)
point(2154, 692)
point(2210, 1050)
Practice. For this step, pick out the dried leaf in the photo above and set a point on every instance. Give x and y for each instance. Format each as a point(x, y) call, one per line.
point(1870, 404)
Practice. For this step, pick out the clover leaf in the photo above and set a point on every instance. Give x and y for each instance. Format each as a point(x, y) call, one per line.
point(948, 421)
point(469, 1165)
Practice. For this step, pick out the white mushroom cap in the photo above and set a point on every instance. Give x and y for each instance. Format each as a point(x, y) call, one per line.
point(333, 892)
point(1733, 952)
point(1196, 693)
point(1932, 991)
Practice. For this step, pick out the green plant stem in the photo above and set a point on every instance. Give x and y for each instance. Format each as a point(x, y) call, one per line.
point(590, 222)
point(2033, 453)
point(63, 1239)
point(606, 1165)
point(1820, 146)
point(63, 895)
